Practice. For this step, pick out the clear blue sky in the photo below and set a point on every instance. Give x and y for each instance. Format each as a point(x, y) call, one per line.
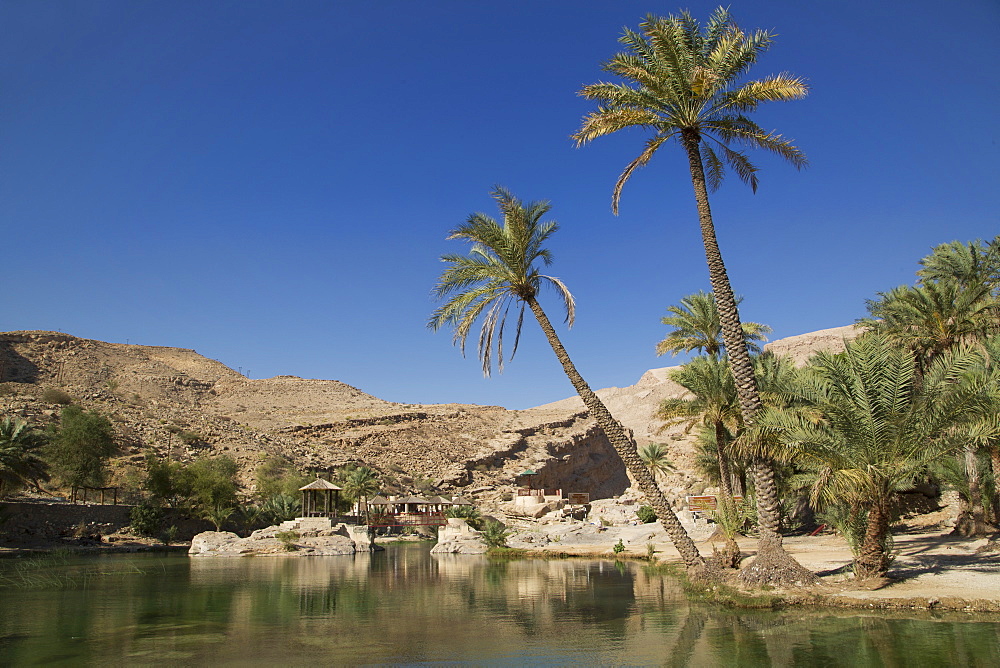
point(271, 183)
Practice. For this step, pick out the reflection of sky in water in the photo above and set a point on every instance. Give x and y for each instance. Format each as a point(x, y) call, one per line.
point(407, 606)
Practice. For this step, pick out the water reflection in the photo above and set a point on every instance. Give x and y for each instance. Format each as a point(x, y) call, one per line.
point(406, 606)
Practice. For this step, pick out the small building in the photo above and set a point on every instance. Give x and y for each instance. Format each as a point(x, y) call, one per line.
point(320, 498)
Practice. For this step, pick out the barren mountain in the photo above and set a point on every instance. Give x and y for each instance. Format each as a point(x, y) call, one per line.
point(177, 403)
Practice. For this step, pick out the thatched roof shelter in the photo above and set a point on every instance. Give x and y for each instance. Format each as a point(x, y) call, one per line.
point(315, 491)
point(319, 483)
point(461, 501)
point(411, 504)
point(439, 502)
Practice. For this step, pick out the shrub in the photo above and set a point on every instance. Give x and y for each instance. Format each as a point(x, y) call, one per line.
point(169, 535)
point(646, 514)
point(53, 395)
point(190, 437)
point(164, 480)
point(81, 446)
point(281, 507)
point(287, 539)
point(495, 534)
point(276, 475)
point(619, 547)
point(468, 513)
point(212, 482)
point(218, 515)
point(146, 519)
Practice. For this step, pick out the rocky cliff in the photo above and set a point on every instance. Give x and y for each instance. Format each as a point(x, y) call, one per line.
point(176, 403)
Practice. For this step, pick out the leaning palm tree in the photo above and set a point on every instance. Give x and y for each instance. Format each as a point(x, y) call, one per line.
point(681, 82)
point(501, 272)
point(696, 327)
point(873, 426)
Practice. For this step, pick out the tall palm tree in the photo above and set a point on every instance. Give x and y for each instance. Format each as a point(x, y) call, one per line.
point(696, 326)
point(360, 482)
point(500, 272)
point(681, 82)
point(873, 427)
point(20, 463)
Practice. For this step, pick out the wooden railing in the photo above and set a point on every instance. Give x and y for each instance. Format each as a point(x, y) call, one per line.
point(524, 491)
point(406, 519)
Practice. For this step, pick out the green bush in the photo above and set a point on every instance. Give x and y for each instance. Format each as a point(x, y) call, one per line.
point(287, 539)
point(164, 480)
point(468, 513)
point(169, 535)
point(53, 395)
point(80, 448)
point(646, 514)
point(146, 519)
point(212, 481)
point(281, 507)
point(276, 475)
point(619, 547)
point(495, 534)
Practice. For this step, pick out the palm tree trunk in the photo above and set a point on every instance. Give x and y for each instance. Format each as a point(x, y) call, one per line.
point(725, 477)
point(872, 561)
point(973, 522)
point(773, 564)
point(623, 444)
point(995, 463)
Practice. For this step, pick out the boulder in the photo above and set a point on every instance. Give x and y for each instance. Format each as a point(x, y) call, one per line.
point(263, 543)
point(459, 538)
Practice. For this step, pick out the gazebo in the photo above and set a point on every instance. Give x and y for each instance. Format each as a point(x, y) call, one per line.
point(410, 504)
point(315, 492)
point(438, 503)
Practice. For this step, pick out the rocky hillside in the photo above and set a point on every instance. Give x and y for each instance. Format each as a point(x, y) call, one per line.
point(176, 403)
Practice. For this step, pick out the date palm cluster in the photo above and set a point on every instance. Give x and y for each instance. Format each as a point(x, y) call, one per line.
point(684, 83)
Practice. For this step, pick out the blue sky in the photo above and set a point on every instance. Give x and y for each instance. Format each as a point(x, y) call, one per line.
point(271, 183)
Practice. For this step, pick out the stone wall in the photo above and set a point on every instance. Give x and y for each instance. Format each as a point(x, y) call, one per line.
point(54, 519)
point(50, 519)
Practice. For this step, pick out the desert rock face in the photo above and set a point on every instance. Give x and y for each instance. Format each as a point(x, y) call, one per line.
point(801, 348)
point(176, 403)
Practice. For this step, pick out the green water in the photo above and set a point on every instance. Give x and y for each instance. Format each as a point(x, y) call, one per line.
point(406, 606)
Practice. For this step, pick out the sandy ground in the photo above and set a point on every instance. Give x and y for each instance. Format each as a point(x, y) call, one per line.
point(932, 569)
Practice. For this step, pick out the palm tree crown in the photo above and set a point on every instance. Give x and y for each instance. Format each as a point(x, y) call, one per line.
point(682, 82)
point(697, 326)
point(20, 462)
point(971, 264)
point(500, 269)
